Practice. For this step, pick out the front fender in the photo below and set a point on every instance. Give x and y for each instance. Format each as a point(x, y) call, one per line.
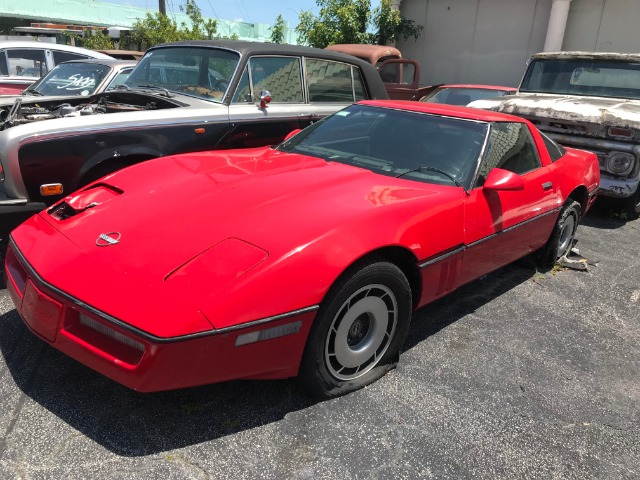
point(118, 154)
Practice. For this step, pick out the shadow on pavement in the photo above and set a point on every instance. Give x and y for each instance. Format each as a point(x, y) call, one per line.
point(133, 424)
point(438, 315)
point(605, 214)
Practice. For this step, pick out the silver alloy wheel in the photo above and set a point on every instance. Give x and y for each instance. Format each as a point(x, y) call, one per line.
point(566, 235)
point(361, 332)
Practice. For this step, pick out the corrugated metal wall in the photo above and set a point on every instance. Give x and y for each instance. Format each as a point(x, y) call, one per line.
point(489, 41)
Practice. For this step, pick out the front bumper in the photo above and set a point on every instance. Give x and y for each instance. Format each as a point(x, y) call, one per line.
point(617, 187)
point(610, 186)
point(146, 363)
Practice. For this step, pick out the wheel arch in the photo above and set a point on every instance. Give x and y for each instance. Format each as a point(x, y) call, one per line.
point(401, 257)
point(101, 162)
point(581, 195)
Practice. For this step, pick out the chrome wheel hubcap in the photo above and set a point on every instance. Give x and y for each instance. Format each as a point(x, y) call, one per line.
point(361, 332)
point(566, 236)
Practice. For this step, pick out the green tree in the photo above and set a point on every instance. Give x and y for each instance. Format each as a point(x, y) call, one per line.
point(277, 32)
point(97, 40)
point(93, 39)
point(200, 30)
point(390, 25)
point(158, 28)
point(353, 21)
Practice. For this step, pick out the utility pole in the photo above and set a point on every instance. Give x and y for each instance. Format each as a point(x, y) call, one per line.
point(162, 7)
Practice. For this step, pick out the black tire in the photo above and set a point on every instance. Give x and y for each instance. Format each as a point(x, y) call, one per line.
point(562, 236)
point(359, 330)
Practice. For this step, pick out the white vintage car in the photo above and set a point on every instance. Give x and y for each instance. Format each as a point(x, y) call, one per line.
point(181, 97)
point(23, 62)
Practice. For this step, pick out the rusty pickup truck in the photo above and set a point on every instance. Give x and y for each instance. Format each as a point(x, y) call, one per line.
point(590, 101)
point(401, 76)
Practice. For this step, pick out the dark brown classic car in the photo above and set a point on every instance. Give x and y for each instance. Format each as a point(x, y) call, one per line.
point(401, 76)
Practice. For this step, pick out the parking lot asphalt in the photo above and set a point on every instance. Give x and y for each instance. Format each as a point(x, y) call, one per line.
point(522, 374)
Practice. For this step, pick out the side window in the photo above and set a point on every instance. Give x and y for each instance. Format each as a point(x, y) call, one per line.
point(4, 69)
point(27, 62)
point(281, 76)
point(119, 78)
point(398, 72)
point(330, 81)
point(59, 57)
point(243, 92)
point(358, 84)
point(556, 152)
point(510, 147)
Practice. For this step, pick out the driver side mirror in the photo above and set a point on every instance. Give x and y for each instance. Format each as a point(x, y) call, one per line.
point(499, 179)
point(292, 133)
point(265, 98)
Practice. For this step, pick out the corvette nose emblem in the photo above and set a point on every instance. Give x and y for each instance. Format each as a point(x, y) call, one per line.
point(107, 239)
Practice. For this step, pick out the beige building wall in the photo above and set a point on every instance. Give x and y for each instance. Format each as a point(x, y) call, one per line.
point(489, 41)
point(603, 26)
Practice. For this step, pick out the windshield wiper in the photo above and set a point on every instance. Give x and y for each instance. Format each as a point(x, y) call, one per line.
point(423, 168)
point(32, 92)
point(155, 87)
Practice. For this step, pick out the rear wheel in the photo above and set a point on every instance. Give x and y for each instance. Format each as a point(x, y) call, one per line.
point(359, 331)
point(562, 237)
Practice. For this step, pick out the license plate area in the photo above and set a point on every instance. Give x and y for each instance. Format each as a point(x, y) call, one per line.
point(41, 312)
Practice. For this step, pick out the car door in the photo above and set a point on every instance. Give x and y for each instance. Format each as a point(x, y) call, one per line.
point(257, 121)
point(297, 96)
point(503, 224)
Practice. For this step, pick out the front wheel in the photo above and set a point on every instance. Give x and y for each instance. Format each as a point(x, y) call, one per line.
point(562, 236)
point(359, 331)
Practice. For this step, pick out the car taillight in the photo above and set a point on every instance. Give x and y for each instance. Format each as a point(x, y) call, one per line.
point(1, 173)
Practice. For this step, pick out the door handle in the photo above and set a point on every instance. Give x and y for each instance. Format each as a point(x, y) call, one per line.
point(547, 186)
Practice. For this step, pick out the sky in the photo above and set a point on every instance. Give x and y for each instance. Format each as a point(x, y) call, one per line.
point(252, 11)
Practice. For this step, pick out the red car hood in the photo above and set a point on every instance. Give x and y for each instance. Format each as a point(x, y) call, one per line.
point(213, 215)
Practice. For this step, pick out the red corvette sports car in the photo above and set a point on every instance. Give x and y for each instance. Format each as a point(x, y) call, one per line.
point(304, 259)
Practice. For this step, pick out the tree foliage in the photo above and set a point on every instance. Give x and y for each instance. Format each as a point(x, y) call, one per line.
point(353, 21)
point(93, 39)
point(390, 25)
point(158, 28)
point(278, 30)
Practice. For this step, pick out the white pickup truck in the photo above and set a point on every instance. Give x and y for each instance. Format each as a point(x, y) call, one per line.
point(590, 101)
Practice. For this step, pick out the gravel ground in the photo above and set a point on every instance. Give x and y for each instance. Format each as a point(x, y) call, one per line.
point(522, 374)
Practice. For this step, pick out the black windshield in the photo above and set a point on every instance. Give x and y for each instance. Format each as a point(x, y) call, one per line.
point(396, 143)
